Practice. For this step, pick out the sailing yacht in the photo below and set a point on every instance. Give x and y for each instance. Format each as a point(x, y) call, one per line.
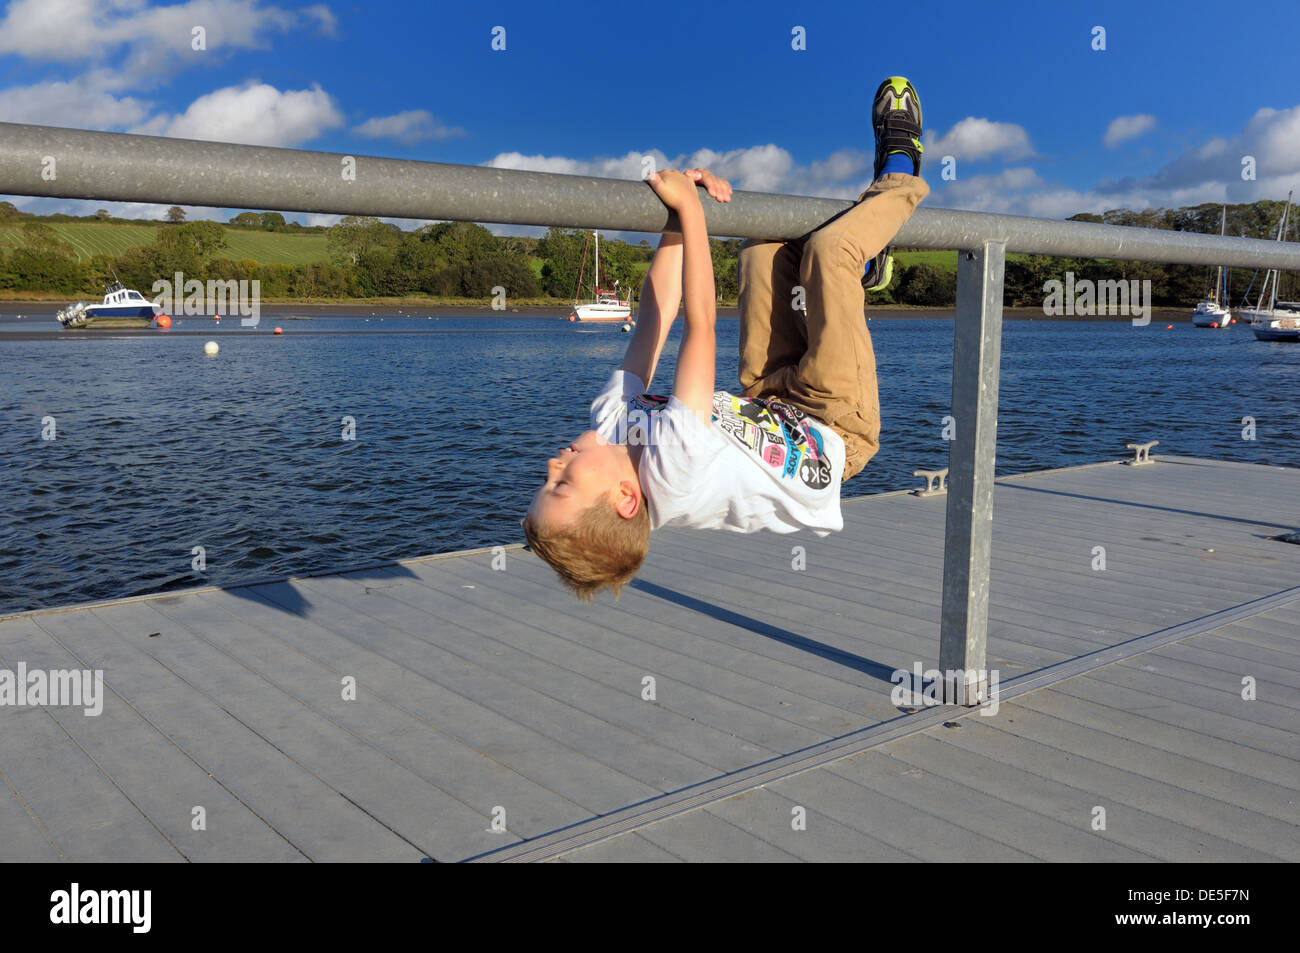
point(1273, 320)
point(607, 306)
point(1210, 313)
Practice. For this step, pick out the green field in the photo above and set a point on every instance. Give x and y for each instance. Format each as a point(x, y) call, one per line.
point(94, 238)
point(943, 260)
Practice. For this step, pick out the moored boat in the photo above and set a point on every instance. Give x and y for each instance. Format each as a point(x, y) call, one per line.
point(608, 306)
point(121, 308)
point(1270, 319)
point(1210, 313)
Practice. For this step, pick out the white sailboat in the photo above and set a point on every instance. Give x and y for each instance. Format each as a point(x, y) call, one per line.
point(1210, 313)
point(1270, 319)
point(607, 306)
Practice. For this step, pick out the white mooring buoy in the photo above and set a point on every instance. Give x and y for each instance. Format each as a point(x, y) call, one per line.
point(211, 349)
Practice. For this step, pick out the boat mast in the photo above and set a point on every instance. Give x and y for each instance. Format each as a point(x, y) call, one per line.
point(597, 266)
point(1219, 296)
point(1281, 230)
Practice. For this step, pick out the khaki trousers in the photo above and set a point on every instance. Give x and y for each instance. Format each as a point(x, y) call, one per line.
point(824, 364)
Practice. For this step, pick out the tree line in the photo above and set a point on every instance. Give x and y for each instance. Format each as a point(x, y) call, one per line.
point(368, 258)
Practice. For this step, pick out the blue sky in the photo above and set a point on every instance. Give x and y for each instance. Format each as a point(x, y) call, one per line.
point(1036, 121)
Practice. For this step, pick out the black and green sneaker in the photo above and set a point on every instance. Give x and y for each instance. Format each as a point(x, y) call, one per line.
point(879, 271)
point(896, 120)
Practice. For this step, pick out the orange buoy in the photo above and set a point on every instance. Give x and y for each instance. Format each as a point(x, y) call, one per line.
point(573, 317)
point(1169, 327)
point(164, 321)
point(278, 331)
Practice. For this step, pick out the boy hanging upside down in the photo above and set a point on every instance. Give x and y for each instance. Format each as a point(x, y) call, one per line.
point(808, 415)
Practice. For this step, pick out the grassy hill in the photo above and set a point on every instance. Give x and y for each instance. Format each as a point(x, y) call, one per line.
point(100, 238)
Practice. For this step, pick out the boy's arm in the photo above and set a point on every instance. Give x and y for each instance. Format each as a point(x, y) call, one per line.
point(661, 293)
point(697, 357)
point(661, 296)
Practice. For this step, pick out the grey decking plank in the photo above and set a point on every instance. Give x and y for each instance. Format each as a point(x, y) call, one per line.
point(310, 814)
point(1041, 530)
point(1211, 800)
point(955, 756)
point(159, 779)
point(767, 814)
point(64, 788)
point(736, 636)
point(1264, 723)
point(22, 838)
point(1066, 642)
point(440, 693)
point(1172, 678)
point(1249, 633)
point(766, 817)
point(235, 758)
point(1028, 834)
point(426, 818)
point(664, 645)
point(825, 704)
point(461, 772)
point(1012, 567)
point(1170, 725)
point(892, 594)
point(628, 849)
point(1222, 653)
point(701, 836)
point(1037, 554)
point(732, 703)
point(1131, 802)
point(558, 700)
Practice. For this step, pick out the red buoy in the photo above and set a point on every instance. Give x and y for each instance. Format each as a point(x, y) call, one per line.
point(164, 321)
point(278, 331)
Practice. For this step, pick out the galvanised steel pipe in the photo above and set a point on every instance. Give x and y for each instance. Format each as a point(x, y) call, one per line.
point(111, 166)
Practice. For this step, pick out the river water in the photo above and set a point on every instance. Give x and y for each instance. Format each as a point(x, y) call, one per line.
point(159, 449)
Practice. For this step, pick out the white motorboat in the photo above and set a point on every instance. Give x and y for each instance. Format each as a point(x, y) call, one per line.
point(121, 308)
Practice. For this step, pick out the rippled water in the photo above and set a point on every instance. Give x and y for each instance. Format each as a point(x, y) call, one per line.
point(160, 449)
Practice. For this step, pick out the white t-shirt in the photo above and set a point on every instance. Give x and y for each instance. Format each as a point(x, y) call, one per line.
point(759, 464)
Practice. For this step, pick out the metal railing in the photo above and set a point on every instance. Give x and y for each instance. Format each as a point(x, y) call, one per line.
point(78, 164)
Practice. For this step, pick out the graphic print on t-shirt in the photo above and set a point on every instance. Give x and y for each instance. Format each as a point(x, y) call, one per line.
point(777, 434)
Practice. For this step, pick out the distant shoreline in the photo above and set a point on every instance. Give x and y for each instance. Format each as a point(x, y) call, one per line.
point(473, 308)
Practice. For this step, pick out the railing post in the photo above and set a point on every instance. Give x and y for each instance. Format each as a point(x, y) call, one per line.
point(977, 350)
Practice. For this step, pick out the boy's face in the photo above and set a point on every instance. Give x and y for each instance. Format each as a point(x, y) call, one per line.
point(577, 477)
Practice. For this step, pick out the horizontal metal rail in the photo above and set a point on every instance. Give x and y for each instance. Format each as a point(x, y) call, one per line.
point(128, 168)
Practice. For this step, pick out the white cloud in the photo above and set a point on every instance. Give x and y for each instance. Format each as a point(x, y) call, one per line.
point(1207, 172)
point(975, 138)
point(617, 167)
point(1124, 128)
point(411, 126)
point(766, 168)
point(76, 103)
point(254, 113)
point(138, 43)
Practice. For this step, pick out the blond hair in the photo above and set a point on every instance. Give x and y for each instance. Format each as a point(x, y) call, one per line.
point(600, 548)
